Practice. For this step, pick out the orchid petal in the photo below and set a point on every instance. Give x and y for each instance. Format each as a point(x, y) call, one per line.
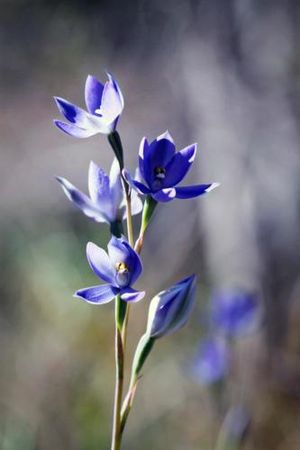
point(97, 294)
point(165, 195)
point(170, 309)
point(93, 93)
point(136, 203)
point(112, 102)
point(75, 131)
point(165, 135)
point(73, 113)
point(81, 200)
point(131, 295)
point(180, 164)
point(100, 263)
point(115, 185)
point(137, 185)
point(194, 191)
point(142, 150)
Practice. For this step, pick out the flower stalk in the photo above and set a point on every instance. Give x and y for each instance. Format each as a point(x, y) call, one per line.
point(119, 360)
point(148, 210)
point(143, 350)
point(122, 308)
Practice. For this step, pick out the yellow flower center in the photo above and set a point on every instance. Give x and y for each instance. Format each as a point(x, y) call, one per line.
point(121, 267)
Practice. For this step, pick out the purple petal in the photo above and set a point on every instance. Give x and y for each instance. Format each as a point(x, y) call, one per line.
point(98, 183)
point(97, 294)
point(112, 102)
point(165, 135)
point(142, 150)
point(115, 185)
point(131, 295)
point(75, 131)
point(100, 263)
point(141, 188)
point(120, 251)
point(165, 195)
point(170, 309)
point(73, 113)
point(93, 93)
point(180, 164)
point(117, 88)
point(137, 185)
point(81, 200)
point(136, 204)
point(194, 191)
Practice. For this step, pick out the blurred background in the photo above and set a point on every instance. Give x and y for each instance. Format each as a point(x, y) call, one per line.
point(225, 74)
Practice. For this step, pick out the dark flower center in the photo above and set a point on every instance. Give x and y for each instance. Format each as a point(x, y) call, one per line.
point(122, 275)
point(159, 176)
point(160, 172)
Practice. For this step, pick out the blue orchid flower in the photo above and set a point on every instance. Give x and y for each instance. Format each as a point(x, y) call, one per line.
point(211, 362)
point(120, 268)
point(104, 103)
point(235, 312)
point(107, 201)
point(162, 168)
point(170, 309)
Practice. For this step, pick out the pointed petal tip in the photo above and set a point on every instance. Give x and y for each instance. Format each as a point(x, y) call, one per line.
point(93, 165)
point(132, 296)
point(59, 179)
point(57, 100)
point(90, 245)
point(166, 135)
point(194, 152)
point(212, 187)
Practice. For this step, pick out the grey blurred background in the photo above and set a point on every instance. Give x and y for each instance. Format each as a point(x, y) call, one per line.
point(223, 73)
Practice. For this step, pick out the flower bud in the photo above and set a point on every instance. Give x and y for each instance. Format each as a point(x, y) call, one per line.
point(170, 309)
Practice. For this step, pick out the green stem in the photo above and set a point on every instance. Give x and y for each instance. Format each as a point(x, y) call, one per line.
point(119, 359)
point(142, 352)
point(148, 210)
point(131, 243)
point(122, 308)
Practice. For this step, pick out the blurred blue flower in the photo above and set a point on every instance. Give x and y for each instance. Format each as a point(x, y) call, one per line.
point(105, 104)
point(211, 362)
point(162, 168)
point(170, 309)
point(235, 312)
point(107, 201)
point(120, 268)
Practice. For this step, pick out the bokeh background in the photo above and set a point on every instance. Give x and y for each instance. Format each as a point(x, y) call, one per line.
point(223, 73)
